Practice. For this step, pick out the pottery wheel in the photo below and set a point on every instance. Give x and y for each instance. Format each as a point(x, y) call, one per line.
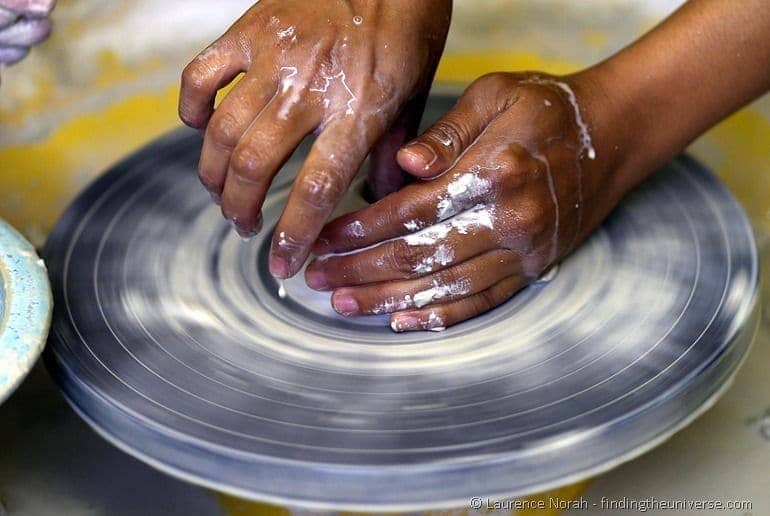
point(171, 340)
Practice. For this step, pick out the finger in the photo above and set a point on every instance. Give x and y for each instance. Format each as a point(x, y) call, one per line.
point(410, 209)
point(11, 55)
point(260, 153)
point(439, 317)
point(466, 279)
point(210, 71)
point(7, 17)
point(438, 148)
point(29, 7)
point(432, 249)
point(232, 118)
point(333, 161)
point(25, 32)
point(385, 174)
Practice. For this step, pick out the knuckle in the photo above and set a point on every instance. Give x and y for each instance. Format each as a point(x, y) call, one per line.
point(224, 128)
point(405, 258)
point(246, 163)
point(321, 190)
point(452, 132)
point(194, 75)
point(535, 220)
point(511, 168)
point(489, 81)
point(488, 299)
point(475, 304)
point(510, 164)
point(454, 278)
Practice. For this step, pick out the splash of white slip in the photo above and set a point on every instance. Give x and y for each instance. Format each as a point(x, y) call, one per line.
point(585, 136)
point(429, 235)
point(435, 322)
point(392, 304)
point(281, 290)
point(463, 189)
point(288, 72)
point(343, 80)
point(438, 291)
point(356, 229)
point(443, 255)
point(288, 32)
point(478, 216)
point(412, 225)
point(358, 20)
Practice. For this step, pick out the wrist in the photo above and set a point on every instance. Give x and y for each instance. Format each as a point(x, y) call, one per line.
point(612, 120)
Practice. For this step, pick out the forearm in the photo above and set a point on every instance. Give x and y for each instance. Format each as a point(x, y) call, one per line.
point(704, 62)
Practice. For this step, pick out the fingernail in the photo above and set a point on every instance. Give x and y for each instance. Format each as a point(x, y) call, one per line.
point(216, 198)
point(345, 304)
point(405, 323)
point(316, 279)
point(279, 267)
point(424, 154)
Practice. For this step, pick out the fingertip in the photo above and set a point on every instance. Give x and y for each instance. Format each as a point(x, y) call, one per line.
point(193, 117)
point(279, 267)
point(344, 303)
point(315, 277)
point(418, 159)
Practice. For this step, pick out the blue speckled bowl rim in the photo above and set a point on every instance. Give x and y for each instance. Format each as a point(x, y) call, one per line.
point(27, 303)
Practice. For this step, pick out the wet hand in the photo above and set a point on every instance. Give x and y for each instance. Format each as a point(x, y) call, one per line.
point(514, 181)
point(356, 73)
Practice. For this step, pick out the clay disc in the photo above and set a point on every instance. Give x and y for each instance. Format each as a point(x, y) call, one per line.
point(170, 338)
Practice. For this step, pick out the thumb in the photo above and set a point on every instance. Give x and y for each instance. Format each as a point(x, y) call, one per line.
point(436, 150)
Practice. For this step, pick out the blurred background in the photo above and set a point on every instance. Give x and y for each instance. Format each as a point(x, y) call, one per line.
point(106, 83)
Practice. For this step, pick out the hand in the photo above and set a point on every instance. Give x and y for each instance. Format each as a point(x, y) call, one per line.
point(23, 23)
point(517, 180)
point(356, 73)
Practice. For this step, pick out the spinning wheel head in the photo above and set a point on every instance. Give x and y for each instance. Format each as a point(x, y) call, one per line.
point(171, 339)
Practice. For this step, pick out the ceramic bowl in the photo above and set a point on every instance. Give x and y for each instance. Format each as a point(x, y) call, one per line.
point(25, 308)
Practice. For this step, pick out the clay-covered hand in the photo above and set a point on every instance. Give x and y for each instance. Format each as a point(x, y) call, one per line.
point(513, 182)
point(23, 23)
point(354, 72)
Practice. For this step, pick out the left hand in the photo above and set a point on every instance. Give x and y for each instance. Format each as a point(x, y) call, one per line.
point(353, 72)
point(23, 23)
point(516, 184)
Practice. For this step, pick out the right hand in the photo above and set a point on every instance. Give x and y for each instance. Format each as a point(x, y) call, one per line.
point(355, 72)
